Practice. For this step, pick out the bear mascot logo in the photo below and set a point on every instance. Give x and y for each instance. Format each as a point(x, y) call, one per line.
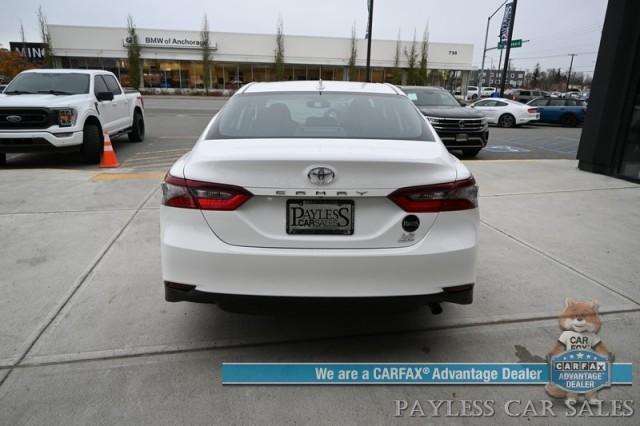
point(580, 324)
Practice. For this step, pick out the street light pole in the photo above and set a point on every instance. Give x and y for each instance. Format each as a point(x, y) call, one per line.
point(484, 52)
point(570, 67)
point(369, 27)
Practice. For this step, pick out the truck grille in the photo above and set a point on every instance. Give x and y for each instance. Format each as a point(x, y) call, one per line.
point(458, 125)
point(26, 118)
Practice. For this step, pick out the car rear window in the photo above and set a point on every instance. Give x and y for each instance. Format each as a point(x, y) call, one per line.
point(331, 115)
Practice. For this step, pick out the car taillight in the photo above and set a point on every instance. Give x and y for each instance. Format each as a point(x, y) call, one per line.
point(532, 110)
point(442, 197)
point(193, 194)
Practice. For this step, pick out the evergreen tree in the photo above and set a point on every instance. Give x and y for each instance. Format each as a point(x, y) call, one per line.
point(133, 54)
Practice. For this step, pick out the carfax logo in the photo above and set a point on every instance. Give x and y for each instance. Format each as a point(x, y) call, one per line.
point(579, 363)
point(580, 372)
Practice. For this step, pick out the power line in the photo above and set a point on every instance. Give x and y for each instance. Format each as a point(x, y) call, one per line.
point(556, 56)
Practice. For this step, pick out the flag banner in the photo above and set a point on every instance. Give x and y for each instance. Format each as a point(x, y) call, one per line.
point(399, 373)
point(506, 22)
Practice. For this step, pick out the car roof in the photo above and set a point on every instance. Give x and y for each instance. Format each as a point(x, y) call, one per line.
point(66, 71)
point(421, 88)
point(314, 86)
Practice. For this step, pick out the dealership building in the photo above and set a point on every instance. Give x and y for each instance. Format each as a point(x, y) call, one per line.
point(173, 59)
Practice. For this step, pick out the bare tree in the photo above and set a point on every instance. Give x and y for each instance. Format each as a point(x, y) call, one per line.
point(22, 37)
point(397, 78)
point(279, 59)
point(133, 54)
point(424, 54)
point(205, 44)
point(44, 35)
point(412, 61)
point(354, 54)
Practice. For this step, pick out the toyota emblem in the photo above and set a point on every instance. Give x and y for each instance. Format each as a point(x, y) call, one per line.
point(321, 175)
point(461, 124)
point(14, 118)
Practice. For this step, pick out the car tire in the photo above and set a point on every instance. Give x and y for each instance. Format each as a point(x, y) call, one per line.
point(474, 97)
point(137, 128)
point(91, 144)
point(507, 121)
point(470, 152)
point(3, 159)
point(569, 120)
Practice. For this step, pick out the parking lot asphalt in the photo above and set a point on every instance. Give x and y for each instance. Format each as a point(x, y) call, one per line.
point(174, 124)
point(86, 336)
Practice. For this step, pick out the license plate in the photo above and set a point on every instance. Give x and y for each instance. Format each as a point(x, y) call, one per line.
point(332, 217)
point(462, 137)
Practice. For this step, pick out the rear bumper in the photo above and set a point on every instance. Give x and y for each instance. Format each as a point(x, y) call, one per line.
point(193, 255)
point(174, 292)
point(37, 141)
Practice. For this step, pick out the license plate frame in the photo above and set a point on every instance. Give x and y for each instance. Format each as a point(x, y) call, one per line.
point(294, 229)
point(462, 137)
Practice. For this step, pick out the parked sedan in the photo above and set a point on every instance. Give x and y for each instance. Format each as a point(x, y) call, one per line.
point(568, 112)
point(319, 191)
point(506, 113)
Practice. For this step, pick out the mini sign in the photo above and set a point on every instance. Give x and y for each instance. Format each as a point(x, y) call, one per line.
point(33, 52)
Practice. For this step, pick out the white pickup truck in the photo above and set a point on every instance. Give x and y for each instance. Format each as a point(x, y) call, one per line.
point(67, 110)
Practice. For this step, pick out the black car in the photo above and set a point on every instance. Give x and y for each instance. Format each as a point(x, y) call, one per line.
point(459, 128)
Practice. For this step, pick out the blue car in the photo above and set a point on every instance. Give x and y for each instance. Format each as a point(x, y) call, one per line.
point(568, 112)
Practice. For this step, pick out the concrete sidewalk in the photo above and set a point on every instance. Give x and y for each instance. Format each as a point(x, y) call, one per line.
point(85, 335)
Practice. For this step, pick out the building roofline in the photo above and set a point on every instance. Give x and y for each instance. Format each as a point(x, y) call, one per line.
point(246, 33)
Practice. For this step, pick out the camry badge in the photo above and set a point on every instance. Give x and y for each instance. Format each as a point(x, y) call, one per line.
point(321, 175)
point(14, 118)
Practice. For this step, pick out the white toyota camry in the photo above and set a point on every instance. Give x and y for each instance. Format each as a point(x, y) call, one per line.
point(323, 191)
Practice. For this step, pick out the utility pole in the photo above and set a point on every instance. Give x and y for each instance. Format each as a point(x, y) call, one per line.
point(570, 66)
point(369, 27)
point(508, 46)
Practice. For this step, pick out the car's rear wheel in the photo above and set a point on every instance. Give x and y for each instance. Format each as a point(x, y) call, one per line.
point(137, 129)
point(91, 144)
point(507, 120)
point(470, 152)
point(569, 120)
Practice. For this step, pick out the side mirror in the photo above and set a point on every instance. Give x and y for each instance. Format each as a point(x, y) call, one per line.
point(104, 96)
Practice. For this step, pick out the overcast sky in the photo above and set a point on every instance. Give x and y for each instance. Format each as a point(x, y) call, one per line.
point(555, 28)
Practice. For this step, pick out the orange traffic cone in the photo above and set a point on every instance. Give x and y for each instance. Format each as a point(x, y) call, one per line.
point(109, 159)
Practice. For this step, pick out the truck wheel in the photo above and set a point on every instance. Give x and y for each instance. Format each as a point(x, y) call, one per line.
point(470, 152)
point(569, 120)
point(91, 144)
point(507, 120)
point(137, 129)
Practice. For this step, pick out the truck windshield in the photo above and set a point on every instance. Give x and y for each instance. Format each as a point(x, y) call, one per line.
point(331, 115)
point(54, 83)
